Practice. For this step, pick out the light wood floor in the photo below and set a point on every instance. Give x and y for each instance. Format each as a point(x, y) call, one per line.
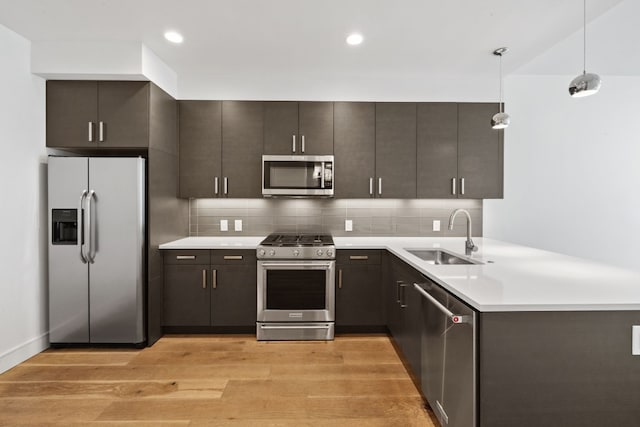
point(218, 380)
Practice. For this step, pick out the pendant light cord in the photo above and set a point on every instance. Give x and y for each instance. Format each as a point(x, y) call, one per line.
point(501, 102)
point(584, 37)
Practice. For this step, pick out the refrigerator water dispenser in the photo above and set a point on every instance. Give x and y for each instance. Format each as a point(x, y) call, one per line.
point(64, 226)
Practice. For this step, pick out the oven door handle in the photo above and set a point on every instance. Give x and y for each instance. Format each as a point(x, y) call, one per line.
point(300, 264)
point(327, 326)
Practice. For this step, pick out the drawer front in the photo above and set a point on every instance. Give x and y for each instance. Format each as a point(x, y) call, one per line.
point(358, 256)
point(187, 256)
point(238, 256)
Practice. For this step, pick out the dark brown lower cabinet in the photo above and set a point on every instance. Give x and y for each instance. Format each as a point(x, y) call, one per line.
point(214, 289)
point(233, 298)
point(359, 289)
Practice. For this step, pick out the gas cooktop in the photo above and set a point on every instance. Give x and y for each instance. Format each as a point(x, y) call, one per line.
point(297, 246)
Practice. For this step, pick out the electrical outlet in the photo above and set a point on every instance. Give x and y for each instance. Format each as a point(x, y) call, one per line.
point(348, 225)
point(436, 225)
point(238, 225)
point(635, 340)
point(224, 225)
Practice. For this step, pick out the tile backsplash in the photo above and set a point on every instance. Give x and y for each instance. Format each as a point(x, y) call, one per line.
point(370, 217)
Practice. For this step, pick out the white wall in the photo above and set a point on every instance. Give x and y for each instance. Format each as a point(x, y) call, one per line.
point(23, 268)
point(572, 166)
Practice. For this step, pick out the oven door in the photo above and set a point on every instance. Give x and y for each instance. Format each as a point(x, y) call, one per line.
point(296, 291)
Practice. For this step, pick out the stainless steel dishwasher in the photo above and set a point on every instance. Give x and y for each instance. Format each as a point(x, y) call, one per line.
point(448, 356)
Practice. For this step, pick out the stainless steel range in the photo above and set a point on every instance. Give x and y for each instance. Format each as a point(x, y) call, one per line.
point(296, 287)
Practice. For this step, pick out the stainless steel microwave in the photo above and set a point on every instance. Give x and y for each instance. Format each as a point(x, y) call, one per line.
point(297, 176)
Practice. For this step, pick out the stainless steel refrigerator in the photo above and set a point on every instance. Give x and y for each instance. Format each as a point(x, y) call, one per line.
point(96, 250)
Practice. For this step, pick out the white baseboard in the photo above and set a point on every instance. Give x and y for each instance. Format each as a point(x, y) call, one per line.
point(22, 352)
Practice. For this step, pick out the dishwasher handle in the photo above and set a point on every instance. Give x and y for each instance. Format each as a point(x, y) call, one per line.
point(455, 318)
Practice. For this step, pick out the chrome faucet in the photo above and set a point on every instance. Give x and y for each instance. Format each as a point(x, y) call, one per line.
point(469, 246)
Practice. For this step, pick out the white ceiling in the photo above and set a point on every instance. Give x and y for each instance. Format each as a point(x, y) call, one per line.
point(260, 38)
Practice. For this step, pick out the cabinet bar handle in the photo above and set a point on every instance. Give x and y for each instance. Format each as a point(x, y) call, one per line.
point(302, 145)
point(380, 186)
point(226, 185)
point(293, 144)
point(340, 279)
point(90, 131)
point(214, 278)
point(462, 186)
point(359, 257)
point(204, 279)
point(233, 257)
point(398, 282)
point(215, 186)
point(453, 186)
point(455, 318)
point(371, 186)
point(185, 257)
point(403, 295)
point(101, 132)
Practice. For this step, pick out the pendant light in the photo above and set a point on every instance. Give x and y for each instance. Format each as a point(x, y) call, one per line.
point(500, 120)
point(586, 83)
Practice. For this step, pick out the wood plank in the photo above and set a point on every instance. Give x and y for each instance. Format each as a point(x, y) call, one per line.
point(54, 357)
point(114, 389)
point(234, 358)
point(266, 407)
point(333, 372)
point(419, 421)
point(34, 411)
point(320, 388)
point(133, 373)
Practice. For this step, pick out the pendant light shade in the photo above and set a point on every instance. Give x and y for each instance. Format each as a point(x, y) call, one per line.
point(586, 83)
point(501, 119)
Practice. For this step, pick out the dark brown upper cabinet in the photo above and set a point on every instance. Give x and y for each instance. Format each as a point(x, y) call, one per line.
point(220, 149)
point(459, 155)
point(395, 150)
point(200, 124)
point(437, 153)
point(304, 128)
point(91, 114)
point(480, 152)
point(242, 139)
point(355, 149)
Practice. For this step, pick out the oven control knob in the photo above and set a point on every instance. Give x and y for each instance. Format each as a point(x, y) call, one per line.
point(261, 252)
point(329, 253)
point(272, 252)
point(319, 252)
point(296, 252)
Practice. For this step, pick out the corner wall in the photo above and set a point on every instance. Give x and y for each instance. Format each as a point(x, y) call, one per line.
point(23, 173)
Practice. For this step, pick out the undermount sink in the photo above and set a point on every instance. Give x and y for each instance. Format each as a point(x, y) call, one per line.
point(440, 256)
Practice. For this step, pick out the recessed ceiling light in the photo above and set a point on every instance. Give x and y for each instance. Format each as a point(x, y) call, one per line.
point(354, 39)
point(173, 36)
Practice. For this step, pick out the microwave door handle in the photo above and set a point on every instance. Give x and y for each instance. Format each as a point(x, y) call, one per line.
point(321, 174)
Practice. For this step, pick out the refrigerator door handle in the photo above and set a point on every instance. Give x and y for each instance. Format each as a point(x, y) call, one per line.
point(90, 257)
point(80, 220)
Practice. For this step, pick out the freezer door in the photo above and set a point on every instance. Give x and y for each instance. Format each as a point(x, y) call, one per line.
point(68, 275)
point(116, 204)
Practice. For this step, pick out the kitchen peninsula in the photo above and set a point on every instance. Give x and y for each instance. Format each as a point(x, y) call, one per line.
point(551, 336)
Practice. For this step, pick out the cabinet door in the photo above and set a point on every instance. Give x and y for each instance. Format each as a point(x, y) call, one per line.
point(396, 150)
point(186, 295)
point(437, 150)
point(242, 138)
point(355, 149)
point(359, 295)
point(200, 125)
point(315, 127)
point(480, 156)
point(72, 114)
point(233, 295)
point(281, 127)
point(123, 109)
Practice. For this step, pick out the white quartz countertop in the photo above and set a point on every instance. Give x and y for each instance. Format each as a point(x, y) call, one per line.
point(511, 278)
